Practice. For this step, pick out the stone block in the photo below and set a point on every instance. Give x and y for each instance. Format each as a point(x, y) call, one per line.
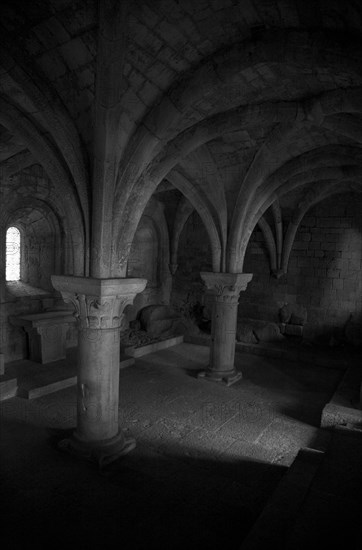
point(2, 363)
point(8, 388)
point(254, 330)
point(158, 319)
point(333, 273)
point(47, 334)
point(338, 284)
point(244, 333)
point(154, 346)
point(293, 330)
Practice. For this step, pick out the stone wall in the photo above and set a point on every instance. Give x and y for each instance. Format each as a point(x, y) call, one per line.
point(324, 272)
point(149, 259)
point(194, 255)
point(27, 203)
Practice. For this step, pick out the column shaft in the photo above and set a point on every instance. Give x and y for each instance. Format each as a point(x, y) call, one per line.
point(98, 384)
point(222, 351)
point(226, 288)
point(99, 306)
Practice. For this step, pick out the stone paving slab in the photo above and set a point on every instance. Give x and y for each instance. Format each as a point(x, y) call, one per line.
point(192, 464)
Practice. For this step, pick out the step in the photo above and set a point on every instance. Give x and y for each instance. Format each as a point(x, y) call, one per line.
point(36, 380)
point(344, 408)
point(126, 361)
point(155, 346)
point(8, 387)
point(281, 351)
point(39, 389)
point(271, 528)
point(30, 380)
point(330, 516)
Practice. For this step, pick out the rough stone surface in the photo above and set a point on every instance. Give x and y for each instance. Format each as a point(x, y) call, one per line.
point(162, 140)
point(200, 447)
point(158, 319)
point(252, 331)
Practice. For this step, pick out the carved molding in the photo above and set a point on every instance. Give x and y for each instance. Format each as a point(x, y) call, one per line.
point(103, 307)
point(226, 287)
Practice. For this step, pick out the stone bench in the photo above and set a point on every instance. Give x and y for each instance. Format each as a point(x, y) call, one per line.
point(47, 334)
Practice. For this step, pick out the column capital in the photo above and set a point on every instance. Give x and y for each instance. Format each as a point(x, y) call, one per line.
point(99, 303)
point(226, 286)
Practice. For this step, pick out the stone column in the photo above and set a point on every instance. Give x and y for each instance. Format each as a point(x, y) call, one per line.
point(226, 288)
point(99, 306)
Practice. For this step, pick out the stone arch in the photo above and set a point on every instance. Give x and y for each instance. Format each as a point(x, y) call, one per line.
point(222, 72)
point(34, 188)
point(38, 224)
point(276, 152)
point(197, 199)
point(47, 156)
point(325, 191)
point(184, 211)
point(294, 116)
point(329, 182)
point(53, 115)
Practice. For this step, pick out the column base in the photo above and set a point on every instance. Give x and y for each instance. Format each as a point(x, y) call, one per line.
point(102, 452)
point(227, 377)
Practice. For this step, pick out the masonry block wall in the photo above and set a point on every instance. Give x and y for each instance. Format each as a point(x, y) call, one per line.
point(324, 272)
point(194, 255)
point(24, 200)
point(149, 260)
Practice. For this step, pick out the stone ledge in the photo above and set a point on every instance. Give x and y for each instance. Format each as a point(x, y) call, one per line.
point(39, 391)
point(337, 415)
point(8, 388)
point(278, 351)
point(270, 529)
point(343, 409)
point(155, 346)
point(126, 361)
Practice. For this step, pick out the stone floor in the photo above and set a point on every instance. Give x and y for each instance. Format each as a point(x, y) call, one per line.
point(208, 457)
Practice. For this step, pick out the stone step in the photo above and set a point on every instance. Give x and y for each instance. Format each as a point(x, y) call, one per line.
point(155, 346)
point(126, 361)
point(39, 389)
point(8, 387)
point(270, 529)
point(29, 379)
point(344, 407)
point(35, 379)
point(284, 351)
point(330, 515)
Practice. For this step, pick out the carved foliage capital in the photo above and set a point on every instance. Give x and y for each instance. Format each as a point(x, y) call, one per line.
point(98, 303)
point(226, 286)
point(98, 312)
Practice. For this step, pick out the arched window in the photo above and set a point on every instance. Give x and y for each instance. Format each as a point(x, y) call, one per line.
point(13, 254)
